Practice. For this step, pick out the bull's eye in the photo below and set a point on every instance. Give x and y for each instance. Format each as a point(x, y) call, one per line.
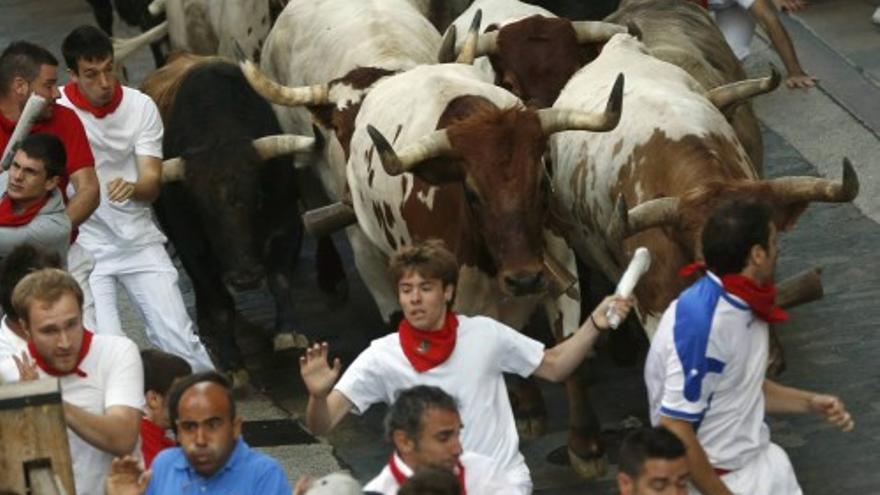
point(471, 196)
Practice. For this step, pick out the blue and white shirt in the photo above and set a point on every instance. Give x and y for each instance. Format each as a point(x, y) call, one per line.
point(706, 366)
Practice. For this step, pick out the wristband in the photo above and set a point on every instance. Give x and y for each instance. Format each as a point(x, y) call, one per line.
point(596, 325)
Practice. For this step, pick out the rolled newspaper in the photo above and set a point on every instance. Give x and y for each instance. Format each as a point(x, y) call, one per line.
point(639, 264)
point(32, 109)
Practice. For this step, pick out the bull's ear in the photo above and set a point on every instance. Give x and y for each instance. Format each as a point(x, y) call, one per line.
point(439, 171)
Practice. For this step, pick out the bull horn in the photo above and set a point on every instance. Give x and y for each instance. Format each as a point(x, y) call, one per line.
point(487, 44)
point(173, 170)
point(430, 146)
point(326, 220)
point(555, 120)
point(269, 147)
point(123, 47)
point(729, 95)
point(156, 7)
point(318, 94)
point(469, 49)
point(806, 189)
point(596, 31)
point(654, 213)
point(800, 289)
point(446, 54)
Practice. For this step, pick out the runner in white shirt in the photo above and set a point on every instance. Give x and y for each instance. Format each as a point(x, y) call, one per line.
point(706, 366)
point(464, 356)
point(101, 376)
point(125, 133)
point(423, 425)
point(737, 19)
point(20, 262)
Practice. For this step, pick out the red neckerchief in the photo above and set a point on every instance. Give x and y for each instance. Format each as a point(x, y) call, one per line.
point(8, 216)
point(80, 101)
point(425, 350)
point(760, 298)
point(401, 478)
point(83, 350)
point(153, 441)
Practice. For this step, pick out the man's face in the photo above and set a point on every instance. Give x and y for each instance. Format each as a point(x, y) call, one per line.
point(46, 85)
point(423, 300)
point(438, 443)
point(206, 430)
point(56, 331)
point(27, 179)
point(95, 79)
point(658, 477)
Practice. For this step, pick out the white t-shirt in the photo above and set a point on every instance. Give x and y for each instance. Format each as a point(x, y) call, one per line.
point(484, 349)
point(735, 22)
point(134, 128)
point(706, 365)
point(10, 343)
point(480, 477)
point(115, 377)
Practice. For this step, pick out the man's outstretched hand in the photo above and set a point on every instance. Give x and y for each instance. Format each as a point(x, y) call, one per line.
point(316, 372)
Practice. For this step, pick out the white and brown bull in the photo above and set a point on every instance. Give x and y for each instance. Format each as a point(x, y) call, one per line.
point(672, 158)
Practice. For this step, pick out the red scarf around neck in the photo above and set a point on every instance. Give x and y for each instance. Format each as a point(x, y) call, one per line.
point(83, 351)
point(760, 298)
point(425, 350)
point(80, 101)
point(401, 478)
point(8, 216)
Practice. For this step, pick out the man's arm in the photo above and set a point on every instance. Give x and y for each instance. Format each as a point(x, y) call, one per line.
point(702, 473)
point(765, 14)
point(115, 431)
point(326, 406)
point(145, 189)
point(779, 399)
point(87, 197)
point(561, 360)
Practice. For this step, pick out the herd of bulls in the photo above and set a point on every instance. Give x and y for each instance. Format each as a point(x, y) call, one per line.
point(525, 145)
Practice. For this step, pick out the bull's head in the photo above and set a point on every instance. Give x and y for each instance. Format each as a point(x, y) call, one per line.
point(228, 186)
point(534, 57)
point(497, 157)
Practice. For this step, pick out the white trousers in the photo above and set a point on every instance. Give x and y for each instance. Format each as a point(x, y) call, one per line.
point(157, 298)
point(80, 264)
point(738, 28)
point(768, 473)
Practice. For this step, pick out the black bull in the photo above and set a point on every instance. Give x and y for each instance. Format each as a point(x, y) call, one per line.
point(234, 219)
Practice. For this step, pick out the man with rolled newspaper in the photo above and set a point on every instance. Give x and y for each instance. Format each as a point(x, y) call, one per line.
point(29, 72)
point(705, 371)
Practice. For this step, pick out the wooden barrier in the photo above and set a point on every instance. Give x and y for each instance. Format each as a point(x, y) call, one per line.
point(34, 454)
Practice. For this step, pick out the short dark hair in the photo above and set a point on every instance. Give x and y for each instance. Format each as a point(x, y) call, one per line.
point(409, 407)
point(23, 260)
point(86, 43)
point(430, 259)
point(731, 231)
point(22, 59)
point(431, 481)
point(48, 149)
point(187, 382)
point(161, 369)
point(648, 443)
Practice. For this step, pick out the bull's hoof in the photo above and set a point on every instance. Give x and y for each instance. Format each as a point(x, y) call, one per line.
point(590, 467)
point(531, 425)
point(240, 379)
point(289, 340)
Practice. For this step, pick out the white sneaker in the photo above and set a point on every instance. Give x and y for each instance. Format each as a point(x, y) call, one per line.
point(876, 16)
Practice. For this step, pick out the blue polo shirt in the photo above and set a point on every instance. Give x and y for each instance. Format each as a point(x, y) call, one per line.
point(246, 472)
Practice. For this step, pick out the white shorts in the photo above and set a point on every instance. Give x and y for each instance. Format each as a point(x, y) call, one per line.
point(738, 28)
point(768, 473)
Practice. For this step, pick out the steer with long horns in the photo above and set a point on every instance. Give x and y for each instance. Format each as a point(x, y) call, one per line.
point(653, 180)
